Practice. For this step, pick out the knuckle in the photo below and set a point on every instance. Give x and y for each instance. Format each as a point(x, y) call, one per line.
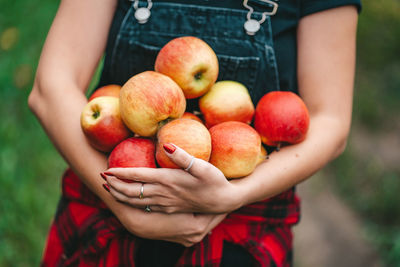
point(208, 169)
point(130, 191)
point(187, 244)
point(195, 239)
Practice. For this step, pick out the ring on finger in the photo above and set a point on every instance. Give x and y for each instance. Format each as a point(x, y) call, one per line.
point(147, 209)
point(190, 164)
point(141, 196)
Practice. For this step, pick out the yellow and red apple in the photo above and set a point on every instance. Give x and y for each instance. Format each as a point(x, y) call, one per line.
point(191, 63)
point(102, 124)
point(148, 100)
point(188, 134)
point(235, 148)
point(226, 101)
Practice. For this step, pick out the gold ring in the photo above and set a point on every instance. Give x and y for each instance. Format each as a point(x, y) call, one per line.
point(141, 192)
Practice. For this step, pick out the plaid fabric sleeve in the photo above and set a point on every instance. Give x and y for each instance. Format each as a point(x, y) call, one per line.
point(85, 233)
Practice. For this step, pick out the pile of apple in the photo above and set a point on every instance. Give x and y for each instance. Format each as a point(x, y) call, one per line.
point(134, 121)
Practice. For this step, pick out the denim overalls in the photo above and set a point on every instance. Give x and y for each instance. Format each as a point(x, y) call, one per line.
point(133, 47)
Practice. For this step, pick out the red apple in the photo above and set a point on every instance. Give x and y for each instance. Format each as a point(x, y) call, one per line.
point(102, 124)
point(191, 63)
point(107, 90)
point(149, 100)
point(189, 115)
point(190, 135)
point(235, 148)
point(226, 101)
point(281, 117)
point(133, 152)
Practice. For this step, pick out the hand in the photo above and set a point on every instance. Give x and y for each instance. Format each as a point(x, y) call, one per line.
point(186, 229)
point(203, 188)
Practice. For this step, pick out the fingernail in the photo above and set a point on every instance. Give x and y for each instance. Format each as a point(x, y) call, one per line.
point(103, 176)
point(169, 148)
point(106, 187)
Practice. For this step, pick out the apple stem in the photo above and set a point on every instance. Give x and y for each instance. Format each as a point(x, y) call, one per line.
point(278, 147)
point(198, 75)
point(96, 114)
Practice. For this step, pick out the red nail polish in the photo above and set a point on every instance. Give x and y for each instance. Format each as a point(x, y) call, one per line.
point(169, 148)
point(106, 187)
point(103, 176)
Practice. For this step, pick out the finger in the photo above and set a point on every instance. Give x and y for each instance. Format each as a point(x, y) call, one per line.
point(132, 190)
point(134, 202)
point(147, 175)
point(195, 166)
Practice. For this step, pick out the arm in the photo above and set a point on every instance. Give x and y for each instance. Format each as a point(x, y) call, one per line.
point(72, 50)
point(326, 63)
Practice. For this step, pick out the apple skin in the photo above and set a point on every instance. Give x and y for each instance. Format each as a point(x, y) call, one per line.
point(263, 155)
point(133, 152)
point(235, 148)
point(226, 101)
point(281, 117)
point(148, 100)
point(107, 90)
point(190, 135)
point(189, 115)
point(102, 124)
point(191, 63)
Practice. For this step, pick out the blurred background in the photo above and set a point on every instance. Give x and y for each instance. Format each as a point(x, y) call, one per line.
point(351, 210)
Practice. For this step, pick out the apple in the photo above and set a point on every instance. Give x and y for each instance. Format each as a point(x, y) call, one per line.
point(281, 117)
point(107, 90)
point(102, 124)
point(263, 155)
point(191, 63)
point(133, 152)
point(190, 135)
point(235, 148)
point(226, 101)
point(189, 115)
point(148, 100)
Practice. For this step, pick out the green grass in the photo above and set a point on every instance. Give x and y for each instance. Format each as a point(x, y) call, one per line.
point(30, 167)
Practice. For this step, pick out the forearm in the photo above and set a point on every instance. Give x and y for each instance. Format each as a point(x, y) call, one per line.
point(326, 63)
point(292, 164)
point(59, 114)
point(70, 55)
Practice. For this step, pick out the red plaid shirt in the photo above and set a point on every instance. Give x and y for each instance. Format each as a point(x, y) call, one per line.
point(86, 233)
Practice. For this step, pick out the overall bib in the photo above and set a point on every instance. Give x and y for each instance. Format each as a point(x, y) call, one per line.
point(243, 58)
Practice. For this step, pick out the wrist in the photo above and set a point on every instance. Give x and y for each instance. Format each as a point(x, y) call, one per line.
point(235, 198)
